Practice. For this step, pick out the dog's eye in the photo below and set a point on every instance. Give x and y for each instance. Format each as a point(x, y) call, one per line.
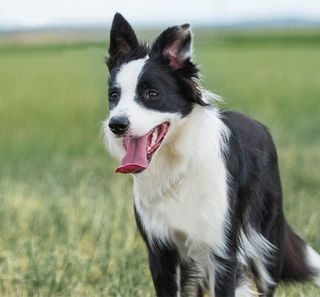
point(152, 94)
point(114, 95)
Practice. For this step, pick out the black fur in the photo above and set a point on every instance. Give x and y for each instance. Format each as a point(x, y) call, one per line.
point(255, 191)
point(123, 45)
point(256, 197)
point(163, 260)
point(294, 268)
point(173, 96)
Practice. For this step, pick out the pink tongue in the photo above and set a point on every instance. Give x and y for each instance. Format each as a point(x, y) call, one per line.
point(136, 156)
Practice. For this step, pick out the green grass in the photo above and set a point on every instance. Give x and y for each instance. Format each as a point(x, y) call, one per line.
point(66, 220)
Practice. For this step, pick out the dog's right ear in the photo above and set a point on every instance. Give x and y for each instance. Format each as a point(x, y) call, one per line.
point(123, 41)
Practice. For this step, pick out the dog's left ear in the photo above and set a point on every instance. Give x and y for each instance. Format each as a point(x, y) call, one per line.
point(174, 45)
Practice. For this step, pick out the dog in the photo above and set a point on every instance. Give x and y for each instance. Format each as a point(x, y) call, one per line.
point(207, 191)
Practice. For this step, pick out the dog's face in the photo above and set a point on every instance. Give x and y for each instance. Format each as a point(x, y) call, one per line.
point(150, 91)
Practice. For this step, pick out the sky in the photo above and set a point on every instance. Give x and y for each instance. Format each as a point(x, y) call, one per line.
point(33, 13)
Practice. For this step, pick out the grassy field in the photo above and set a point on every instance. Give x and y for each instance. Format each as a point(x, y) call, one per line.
point(66, 220)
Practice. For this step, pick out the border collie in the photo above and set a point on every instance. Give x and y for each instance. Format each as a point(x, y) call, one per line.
point(207, 191)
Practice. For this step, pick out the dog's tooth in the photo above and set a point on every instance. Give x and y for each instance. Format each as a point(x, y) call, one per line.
point(153, 139)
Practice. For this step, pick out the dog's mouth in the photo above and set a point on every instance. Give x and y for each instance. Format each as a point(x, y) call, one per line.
point(139, 151)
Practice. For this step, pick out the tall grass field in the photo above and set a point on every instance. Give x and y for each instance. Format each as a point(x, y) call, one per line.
point(66, 219)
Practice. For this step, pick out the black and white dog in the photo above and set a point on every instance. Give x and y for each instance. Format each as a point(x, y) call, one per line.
point(207, 192)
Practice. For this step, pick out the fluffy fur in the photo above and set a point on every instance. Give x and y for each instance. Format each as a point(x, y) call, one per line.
point(209, 205)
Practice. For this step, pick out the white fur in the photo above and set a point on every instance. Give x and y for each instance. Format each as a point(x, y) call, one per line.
point(245, 289)
point(313, 260)
point(167, 194)
point(256, 248)
point(178, 280)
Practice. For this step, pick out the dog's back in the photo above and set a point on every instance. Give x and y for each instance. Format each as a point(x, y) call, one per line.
point(256, 203)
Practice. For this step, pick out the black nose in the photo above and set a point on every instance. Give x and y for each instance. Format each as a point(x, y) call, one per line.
point(119, 125)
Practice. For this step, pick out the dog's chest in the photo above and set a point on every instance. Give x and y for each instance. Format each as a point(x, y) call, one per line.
point(191, 213)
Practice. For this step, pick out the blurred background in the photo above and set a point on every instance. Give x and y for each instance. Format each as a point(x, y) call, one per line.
point(66, 219)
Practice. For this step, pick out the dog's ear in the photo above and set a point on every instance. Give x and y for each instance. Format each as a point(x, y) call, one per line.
point(174, 45)
point(123, 40)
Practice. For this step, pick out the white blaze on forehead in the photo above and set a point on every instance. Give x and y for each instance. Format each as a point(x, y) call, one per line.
point(128, 76)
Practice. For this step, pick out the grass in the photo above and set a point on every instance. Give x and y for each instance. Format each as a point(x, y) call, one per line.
point(66, 220)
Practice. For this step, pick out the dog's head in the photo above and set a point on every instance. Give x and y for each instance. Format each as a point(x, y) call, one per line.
point(150, 91)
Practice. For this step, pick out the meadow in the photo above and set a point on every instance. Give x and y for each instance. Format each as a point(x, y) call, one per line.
point(66, 219)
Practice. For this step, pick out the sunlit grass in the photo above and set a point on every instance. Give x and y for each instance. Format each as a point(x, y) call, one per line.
point(66, 220)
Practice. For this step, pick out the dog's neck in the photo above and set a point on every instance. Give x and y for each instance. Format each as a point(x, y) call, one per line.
point(201, 134)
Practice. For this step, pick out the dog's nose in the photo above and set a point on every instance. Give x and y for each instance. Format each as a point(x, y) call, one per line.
point(119, 125)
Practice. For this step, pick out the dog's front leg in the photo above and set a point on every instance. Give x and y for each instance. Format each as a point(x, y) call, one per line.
point(225, 276)
point(191, 280)
point(163, 262)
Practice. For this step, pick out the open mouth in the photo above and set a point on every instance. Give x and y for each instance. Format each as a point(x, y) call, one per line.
point(139, 150)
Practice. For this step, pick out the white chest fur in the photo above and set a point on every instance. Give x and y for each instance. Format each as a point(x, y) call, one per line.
point(182, 197)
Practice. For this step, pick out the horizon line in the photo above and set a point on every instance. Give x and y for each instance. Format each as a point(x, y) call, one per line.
point(281, 22)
